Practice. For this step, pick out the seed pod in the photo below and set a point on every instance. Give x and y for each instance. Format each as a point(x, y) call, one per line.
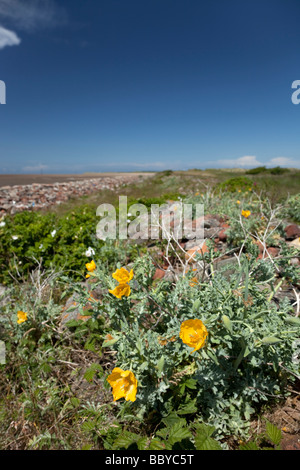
point(196, 305)
point(227, 323)
point(270, 340)
point(293, 320)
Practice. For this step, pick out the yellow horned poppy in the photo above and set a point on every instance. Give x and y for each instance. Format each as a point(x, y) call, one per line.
point(123, 383)
point(193, 333)
point(193, 282)
point(122, 275)
point(246, 214)
point(121, 290)
point(90, 267)
point(22, 316)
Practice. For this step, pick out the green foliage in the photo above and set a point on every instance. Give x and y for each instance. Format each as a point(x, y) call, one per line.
point(231, 376)
point(148, 201)
point(257, 170)
point(184, 400)
point(262, 169)
point(291, 208)
point(203, 439)
point(173, 434)
point(277, 170)
point(60, 242)
point(272, 436)
point(234, 184)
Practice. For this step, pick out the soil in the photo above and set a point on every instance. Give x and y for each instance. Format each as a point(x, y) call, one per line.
point(286, 417)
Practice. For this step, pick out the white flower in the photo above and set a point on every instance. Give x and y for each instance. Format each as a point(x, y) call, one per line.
point(2, 224)
point(53, 233)
point(41, 246)
point(15, 237)
point(89, 252)
point(129, 214)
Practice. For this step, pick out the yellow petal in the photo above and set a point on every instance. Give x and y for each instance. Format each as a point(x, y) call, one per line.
point(122, 275)
point(121, 290)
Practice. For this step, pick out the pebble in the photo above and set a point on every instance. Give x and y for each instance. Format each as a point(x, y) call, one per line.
point(37, 196)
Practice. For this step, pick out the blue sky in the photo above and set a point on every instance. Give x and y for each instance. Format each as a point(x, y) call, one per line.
point(130, 85)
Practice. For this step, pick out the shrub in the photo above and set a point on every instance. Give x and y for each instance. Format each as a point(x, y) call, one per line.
point(234, 184)
point(257, 170)
point(244, 360)
point(28, 237)
point(277, 170)
point(291, 208)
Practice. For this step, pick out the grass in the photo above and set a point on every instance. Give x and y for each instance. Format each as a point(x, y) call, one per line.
point(52, 393)
point(165, 184)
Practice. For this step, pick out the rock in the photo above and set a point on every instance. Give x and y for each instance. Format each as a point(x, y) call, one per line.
point(36, 196)
point(190, 244)
point(292, 231)
point(211, 232)
point(273, 252)
point(159, 274)
point(222, 235)
point(190, 255)
point(259, 244)
point(295, 243)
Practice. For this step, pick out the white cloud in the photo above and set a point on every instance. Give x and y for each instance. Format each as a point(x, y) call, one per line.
point(250, 161)
point(30, 15)
point(246, 161)
point(284, 162)
point(137, 165)
point(8, 38)
point(34, 168)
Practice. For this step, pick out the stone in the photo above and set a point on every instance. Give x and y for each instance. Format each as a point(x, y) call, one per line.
point(295, 243)
point(273, 252)
point(292, 231)
point(191, 254)
point(211, 232)
point(222, 235)
point(190, 244)
point(159, 274)
point(36, 196)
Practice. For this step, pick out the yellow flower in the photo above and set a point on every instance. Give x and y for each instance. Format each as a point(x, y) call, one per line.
point(123, 383)
point(193, 333)
point(193, 282)
point(238, 202)
point(121, 290)
point(22, 316)
point(197, 194)
point(246, 214)
point(122, 275)
point(90, 267)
